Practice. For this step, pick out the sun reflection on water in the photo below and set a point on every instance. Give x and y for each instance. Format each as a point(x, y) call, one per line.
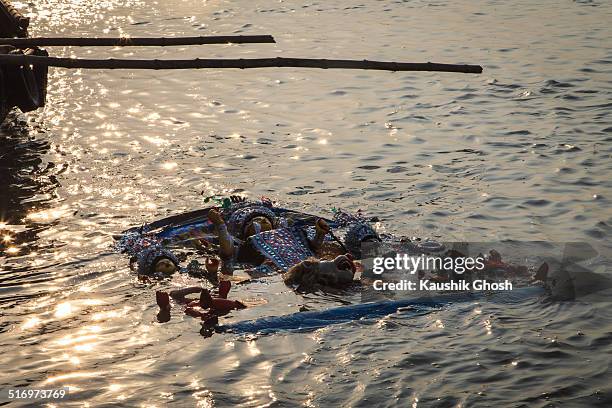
point(31, 323)
point(73, 375)
point(169, 165)
point(50, 215)
point(63, 310)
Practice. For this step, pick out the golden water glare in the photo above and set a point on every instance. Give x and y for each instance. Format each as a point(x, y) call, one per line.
point(63, 310)
point(156, 125)
point(73, 375)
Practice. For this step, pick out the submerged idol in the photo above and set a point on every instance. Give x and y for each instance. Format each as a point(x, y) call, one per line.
point(257, 237)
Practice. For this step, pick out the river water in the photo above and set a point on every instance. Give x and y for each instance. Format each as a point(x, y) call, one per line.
point(519, 152)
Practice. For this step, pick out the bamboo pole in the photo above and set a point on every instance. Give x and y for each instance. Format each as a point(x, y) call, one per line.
point(135, 41)
point(241, 63)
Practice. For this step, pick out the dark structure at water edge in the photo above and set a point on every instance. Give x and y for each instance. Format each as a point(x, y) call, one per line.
point(24, 87)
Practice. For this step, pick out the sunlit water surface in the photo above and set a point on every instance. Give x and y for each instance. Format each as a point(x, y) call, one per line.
point(520, 152)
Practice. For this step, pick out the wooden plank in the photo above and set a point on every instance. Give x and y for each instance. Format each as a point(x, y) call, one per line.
point(240, 63)
point(135, 41)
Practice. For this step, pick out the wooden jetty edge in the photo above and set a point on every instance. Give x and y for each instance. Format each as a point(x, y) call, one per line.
point(135, 41)
point(240, 63)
